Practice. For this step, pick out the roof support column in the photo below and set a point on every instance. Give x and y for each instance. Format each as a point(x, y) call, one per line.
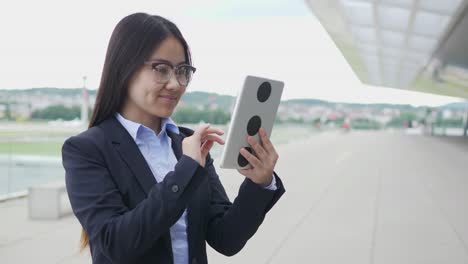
point(465, 130)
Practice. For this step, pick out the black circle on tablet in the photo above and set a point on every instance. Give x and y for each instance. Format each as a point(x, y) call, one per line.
point(241, 160)
point(254, 125)
point(264, 92)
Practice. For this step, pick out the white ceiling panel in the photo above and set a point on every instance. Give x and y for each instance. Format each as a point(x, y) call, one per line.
point(390, 62)
point(359, 12)
point(395, 18)
point(392, 39)
point(371, 60)
point(417, 58)
point(430, 24)
point(400, 3)
point(367, 49)
point(373, 72)
point(364, 34)
point(446, 7)
point(395, 39)
point(390, 52)
point(422, 44)
point(407, 75)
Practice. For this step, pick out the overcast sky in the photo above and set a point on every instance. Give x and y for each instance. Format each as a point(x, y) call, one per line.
point(52, 43)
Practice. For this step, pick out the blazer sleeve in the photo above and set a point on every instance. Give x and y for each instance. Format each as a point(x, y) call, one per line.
point(231, 225)
point(123, 235)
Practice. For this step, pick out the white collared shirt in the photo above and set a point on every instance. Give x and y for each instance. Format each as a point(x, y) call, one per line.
point(158, 153)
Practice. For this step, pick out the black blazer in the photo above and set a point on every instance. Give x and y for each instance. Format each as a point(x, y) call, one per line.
point(127, 214)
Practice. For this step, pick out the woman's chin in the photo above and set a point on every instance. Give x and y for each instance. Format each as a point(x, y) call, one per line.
point(162, 114)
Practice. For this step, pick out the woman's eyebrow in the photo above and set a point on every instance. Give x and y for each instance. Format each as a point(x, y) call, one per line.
point(166, 61)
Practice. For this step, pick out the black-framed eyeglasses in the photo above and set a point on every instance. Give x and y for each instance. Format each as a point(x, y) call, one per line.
point(163, 72)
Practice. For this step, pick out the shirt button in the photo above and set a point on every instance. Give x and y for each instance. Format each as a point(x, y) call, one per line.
point(194, 261)
point(175, 188)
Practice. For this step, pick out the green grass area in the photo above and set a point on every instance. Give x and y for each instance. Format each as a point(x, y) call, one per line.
point(36, 133)
point(12, 140)
point(282, 134)
point(31, 148)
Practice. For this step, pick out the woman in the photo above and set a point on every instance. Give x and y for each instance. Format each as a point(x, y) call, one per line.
point(144, 189)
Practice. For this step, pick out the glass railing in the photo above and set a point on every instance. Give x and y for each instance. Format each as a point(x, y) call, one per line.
point(30, 154)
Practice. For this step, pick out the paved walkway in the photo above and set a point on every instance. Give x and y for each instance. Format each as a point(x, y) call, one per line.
point(362, 197)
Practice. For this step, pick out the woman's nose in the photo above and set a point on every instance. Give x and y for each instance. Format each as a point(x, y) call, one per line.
point(173, 83)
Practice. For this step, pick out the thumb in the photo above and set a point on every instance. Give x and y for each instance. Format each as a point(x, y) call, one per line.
point(206, 147)
point(246, 172)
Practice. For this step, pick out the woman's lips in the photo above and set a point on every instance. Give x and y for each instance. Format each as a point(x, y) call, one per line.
point(168, 98)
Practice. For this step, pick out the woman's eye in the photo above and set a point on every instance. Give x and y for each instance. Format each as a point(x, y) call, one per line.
point(185, 71)
point(164, 69)
point(182, 71)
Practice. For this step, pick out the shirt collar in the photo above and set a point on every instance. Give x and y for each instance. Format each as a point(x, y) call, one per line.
point(133, 127)
point(169, 124)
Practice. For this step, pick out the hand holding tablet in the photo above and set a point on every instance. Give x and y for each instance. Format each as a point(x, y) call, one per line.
point(256, 107)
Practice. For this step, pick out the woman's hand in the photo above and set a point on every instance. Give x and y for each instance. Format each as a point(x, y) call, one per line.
point(199, 144)
point(263, 162)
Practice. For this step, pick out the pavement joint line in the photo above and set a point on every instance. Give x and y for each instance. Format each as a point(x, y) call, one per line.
point(430, 195)
point(376, 217)
point(306, 215)
point(343, 156)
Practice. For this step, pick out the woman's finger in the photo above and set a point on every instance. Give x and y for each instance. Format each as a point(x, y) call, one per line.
point(213, 138)
point(250, 158)
point(200, 130)
point(246, 172)
point(266, 143)
point(259, 150)
point(212, 130)
point(206, 147)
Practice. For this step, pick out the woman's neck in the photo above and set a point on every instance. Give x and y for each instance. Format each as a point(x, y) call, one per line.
point(141, 117)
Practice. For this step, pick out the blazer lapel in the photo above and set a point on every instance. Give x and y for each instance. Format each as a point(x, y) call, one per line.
point(193, 218)
point(130, 153)
point(128, 150)
point(176, 144)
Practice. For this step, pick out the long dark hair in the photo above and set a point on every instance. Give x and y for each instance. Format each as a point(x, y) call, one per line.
point(133, 40)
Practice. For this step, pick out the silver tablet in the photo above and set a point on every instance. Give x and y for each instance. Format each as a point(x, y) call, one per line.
point(256, 106)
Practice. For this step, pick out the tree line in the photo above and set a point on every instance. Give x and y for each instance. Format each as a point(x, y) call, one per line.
point(181, 115)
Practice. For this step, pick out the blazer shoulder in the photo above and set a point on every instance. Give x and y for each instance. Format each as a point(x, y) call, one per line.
point(93, 134)
point(88, 141)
